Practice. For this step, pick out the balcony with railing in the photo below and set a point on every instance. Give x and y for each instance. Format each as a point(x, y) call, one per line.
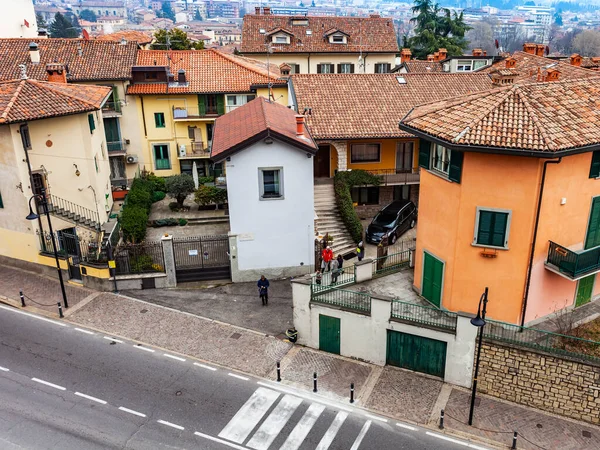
point(391, 177)
point(111, 109)
point(115, 147)
point(193, 113)
point(195, 150)
point(570, 264)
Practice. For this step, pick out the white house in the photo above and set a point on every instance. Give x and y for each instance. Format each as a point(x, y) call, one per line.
point(18, 20)
point(269, 168)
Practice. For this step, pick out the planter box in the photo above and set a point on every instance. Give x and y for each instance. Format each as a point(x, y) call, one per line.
point(119, 195)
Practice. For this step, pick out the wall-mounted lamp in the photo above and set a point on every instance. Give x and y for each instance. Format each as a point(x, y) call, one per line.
point(77, 172)
point(268, 140)
point(308, 155)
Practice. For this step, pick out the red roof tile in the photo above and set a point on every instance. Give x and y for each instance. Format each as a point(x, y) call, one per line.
point(23, 100)
point(417, 66)
point(206, 71)
point(252, 120)
point(129, 35)
point(351, 106)
point(367, 34)
point(539, 117)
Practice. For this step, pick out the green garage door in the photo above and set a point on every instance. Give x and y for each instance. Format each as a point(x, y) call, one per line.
point(329, 334)
point(416, 353)
point(433, 275)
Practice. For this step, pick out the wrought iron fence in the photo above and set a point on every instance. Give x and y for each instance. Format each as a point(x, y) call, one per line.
point(425, 315)
point(145, 257)
point(71, 245)
point(353, 300)
point(546, 341)
point(115, 235)
point(391, 263)
point(331, 279)
point(397, 176)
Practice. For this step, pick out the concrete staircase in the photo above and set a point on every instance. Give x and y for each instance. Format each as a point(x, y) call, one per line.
point(329, 220)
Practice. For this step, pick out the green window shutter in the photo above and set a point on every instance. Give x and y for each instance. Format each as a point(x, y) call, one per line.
point(1, 203)
point(593, 233)
point(91, 123)
point(351, 68)
point(424, 153)
point(492, 228)
point(159, 120)
point(456, 162)
point(318, 68)
point(201, 105)
point(595, 168)
point(220, 104)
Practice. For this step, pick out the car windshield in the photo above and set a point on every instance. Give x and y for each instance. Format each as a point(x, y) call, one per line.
point(384, 219)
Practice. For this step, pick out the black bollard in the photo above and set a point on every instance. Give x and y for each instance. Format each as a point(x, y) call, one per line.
point(60, 313)
point(514, 444)
point(351, 392)
point(442, 420)
point(22, 298)
point(315, 382)
point(278, 371)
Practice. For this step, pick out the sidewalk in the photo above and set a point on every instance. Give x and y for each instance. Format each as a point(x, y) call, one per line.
point(393, 392)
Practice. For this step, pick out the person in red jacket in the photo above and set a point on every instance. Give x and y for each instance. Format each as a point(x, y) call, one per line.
point(327, 256)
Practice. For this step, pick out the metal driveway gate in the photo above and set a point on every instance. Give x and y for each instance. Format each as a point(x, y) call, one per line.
point(200, 258)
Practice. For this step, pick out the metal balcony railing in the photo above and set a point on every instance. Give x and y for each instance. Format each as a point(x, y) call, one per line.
point(573, 264)
point(112, 107)
point(115, 146)
point(397, 176)
point(193, 112)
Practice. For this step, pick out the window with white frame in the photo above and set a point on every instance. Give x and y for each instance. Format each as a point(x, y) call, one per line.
point(338, 39)
point(271, 183)
point(346, 68)
point(363, 153)
point(492, 227)
point(464, 65)
point(479, 63)
point(440, 159)
point(233, 101)
point(281, 39)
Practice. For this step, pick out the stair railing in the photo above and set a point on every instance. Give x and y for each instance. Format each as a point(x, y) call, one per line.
point(73, 208)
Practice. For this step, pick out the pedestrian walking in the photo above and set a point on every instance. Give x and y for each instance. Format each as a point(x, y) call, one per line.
point(360, 251)
point(335, 271)
point(263, 290)
point(340, 260)
point(327, 257)
point(318, 277)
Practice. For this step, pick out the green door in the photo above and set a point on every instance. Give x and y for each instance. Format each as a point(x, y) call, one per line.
point(592, 239)
point(329, 334)
point(433, 275)
point(111, 131)
point(416, 353)
point(584, 290)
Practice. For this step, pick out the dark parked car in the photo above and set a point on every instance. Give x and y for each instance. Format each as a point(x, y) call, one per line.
point(393, 220)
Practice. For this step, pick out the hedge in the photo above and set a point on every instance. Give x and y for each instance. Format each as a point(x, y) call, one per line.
point(134, 220)
point(134, 216)
point(343, 183)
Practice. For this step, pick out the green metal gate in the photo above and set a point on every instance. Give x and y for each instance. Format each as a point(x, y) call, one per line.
point(329, 334)
point(433, 276)
point(585, 288)
point(416, 353)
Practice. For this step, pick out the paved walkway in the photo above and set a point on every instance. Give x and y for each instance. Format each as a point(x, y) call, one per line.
point(397, 393)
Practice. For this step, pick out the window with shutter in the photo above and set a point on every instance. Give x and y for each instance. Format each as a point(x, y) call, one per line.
point(220, 104)
point(595, 168)
point(91, 123)
point(455, 169)
point(492, 227)
point(424, 153)
point(362, 153)
point(201, 105)
point(25, 137)
point(1, 202)
point(592, 238)
point(159, 120)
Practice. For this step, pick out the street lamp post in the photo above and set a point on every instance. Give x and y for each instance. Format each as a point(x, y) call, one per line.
point(33, 216)
point(479, 322)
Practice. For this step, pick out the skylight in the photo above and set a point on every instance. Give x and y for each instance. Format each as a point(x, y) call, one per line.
point(401, 80)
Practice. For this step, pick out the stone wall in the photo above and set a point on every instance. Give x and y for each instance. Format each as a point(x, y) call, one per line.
point(542, 381)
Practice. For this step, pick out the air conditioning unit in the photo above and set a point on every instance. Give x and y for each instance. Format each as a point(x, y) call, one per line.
point(182, 151)
point(132, 159)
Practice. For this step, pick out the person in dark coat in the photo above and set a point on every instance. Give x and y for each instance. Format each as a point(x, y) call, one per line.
point(263, 290)
point(340, 260)
point(360, 251)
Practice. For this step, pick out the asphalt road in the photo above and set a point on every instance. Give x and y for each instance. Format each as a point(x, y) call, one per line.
point(64, 387)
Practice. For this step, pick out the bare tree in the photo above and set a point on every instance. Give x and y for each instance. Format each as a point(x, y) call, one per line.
point(481, 35)
point(511, 39)
point(587, 43)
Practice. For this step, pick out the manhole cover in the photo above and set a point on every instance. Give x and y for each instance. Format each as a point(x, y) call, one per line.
point(586, 434)
point(178, 393)
point(143, 311)
point(539, 425)
point(235, 336)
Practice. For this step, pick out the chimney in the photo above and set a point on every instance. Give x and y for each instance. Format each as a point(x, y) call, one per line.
point(551, 75)
point(503, 77)
point(530, 48)
point(511, 63)
point(540, 49)
point(181, 76)
point(171, 78)
point(477, 52)
point(443, 54)
point(34, 53)
point(430, 58)
point(56, 73)
point(266, 10)
point(436, 56)
point(575, 60)
point(405, 55)
point(299, 125)
point(485, 53)
point(42, 33)
point(257, 10)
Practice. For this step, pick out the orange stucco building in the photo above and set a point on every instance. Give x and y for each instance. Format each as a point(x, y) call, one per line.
point(510, 199)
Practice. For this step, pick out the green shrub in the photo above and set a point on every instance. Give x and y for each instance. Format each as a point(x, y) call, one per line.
point(141, 263)
point(182, 222)
point(158, 183)
point(157, 196)
point(204, 180)
point(143, 184)
point(134, 220)
point(174, 206)
point(139, 197)
point(206, 195)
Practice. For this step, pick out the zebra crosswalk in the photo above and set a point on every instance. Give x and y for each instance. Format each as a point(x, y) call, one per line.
point(258, 429)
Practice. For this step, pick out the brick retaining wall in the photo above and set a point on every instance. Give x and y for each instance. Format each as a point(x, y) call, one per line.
point(541, 381)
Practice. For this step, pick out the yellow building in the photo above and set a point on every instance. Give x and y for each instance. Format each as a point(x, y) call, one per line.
point(179, 94)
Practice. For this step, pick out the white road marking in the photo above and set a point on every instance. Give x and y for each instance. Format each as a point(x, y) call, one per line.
point(33, 316)
point(204, 366)
point(84, 331)
point(89, 397)
point(4, 369)
point(143, 348)
point(112, 339)
point(237, 376)
point(361, 435)
point(455, 441)
point(55, 386)
point(220, 441)
point(248, 416)
point(376, 418)
point(302, 428)
point(172, 425)
point(307, 397)
point(408, 427)
point(131, 411)
point(174, 357)
point(332, 431)
point(272, 426)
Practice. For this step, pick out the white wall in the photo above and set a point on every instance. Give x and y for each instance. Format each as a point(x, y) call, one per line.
point(370, 59)
point(12, 19)
point(273, 236)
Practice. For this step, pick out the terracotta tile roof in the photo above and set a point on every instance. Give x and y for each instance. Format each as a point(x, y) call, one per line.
point(527, 65)
point(416, 66)
point(350, 106)
point(368, 34)
point(129, 35)
point(539, 117)
point(206, 71)
point(590, 63)
point(99, 60)
point(236, 129)
point(22, 100)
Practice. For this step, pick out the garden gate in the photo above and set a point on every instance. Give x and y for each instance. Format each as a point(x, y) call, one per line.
point(199, 258)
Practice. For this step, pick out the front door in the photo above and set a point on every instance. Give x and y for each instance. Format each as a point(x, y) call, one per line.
point(416, 353)
point(329, 334)
point(322, 163)
point(433, 276)
point(585, 287)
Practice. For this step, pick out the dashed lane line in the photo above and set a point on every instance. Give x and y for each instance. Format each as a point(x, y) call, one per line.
point(381, 419)
point(174, 357)
point(89, 397)
point(237, 376)
point(84, 331)
point(55, 386)
point(131, 411)
point(33, 316)
point(139, 347)
point(4, 369)
point(408, 427)
point(108, 338)
point(204, 366)
point(455, 441)
point(172, 425)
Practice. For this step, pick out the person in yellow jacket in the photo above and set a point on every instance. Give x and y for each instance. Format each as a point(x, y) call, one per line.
point(360, 250)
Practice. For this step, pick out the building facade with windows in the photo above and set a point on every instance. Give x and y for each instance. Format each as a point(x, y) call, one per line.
point(180, 94)
point(318, 44)
point(510, 199)
point(268, 153)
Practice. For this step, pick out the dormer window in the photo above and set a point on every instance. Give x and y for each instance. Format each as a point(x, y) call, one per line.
point(338, 39)
point(280, 36)
point(281, 39)
point(300, 22)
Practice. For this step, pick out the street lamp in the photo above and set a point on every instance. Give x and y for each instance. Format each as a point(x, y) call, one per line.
point(33, 216)
point(479, 322)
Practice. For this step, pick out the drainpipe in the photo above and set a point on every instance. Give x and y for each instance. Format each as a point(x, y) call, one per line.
point(535, 231)
point(309, 63)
